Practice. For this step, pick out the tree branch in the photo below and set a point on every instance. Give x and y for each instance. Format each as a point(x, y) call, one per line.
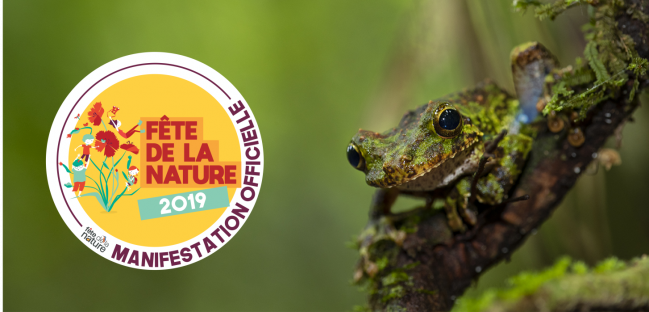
point(430, 267)
point(612, 285)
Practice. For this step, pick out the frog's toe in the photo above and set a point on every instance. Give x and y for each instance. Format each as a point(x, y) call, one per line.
point(371, 268)
point(387, 229)
point(364, 267)
point(359, 270)
point(456, 225)
point(358, 275)
point(453, 219)
point(397, 236)
point(469, 216)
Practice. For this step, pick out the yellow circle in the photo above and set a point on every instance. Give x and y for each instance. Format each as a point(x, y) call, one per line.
point(142, 97)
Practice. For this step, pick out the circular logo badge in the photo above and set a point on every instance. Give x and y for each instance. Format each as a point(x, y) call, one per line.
point(154, 161)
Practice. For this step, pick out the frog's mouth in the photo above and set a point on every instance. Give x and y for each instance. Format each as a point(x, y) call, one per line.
point(439, 170)
point(461, 164)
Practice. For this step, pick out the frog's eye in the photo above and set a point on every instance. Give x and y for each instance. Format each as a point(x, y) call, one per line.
point(447, 121)
point(354, 157)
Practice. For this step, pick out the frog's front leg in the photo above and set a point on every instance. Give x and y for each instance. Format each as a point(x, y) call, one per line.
point(379, 227)
point(382, 202)
point(381, 219)
point(469, 212)
point(488, 153)
point(459, 204)
point(454, 205)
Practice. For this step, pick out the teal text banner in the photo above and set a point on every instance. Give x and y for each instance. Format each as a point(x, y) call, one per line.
point(188, 202)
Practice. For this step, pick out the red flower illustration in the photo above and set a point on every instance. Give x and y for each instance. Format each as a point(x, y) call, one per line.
point(130, 147)
point(107, 142)
point(94, 115)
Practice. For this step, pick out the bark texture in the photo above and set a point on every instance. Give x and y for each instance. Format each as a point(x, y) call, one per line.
point(432, 266)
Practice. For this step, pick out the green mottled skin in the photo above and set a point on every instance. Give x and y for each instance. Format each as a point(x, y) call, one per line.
point(412, 149)
point(413, 159)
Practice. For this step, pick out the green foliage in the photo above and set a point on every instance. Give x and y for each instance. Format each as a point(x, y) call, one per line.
point(592, 55)
point(525, 283)
point(547, 11)
point(579, 76)
point(284, 57)
point(522, 5)
point(394, 278)
point(410, 224)
point(637, 14)
point(610, 55)
point(639, 67)
point(362, 308)
point(393, 293)
point(579, 267)
point(550, 11)
point(395, 284)
point(610, 265)
point(389, 282)
point(566, 284)
point(382, 263)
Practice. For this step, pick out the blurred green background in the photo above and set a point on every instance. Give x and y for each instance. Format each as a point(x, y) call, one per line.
point(313, 72)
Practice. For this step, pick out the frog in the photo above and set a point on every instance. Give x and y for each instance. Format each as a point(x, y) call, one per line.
point(458, 151)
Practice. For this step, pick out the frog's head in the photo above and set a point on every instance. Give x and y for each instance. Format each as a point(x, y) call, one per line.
point(424, 139)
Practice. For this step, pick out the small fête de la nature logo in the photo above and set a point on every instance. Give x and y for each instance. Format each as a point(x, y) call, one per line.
point(99, 242)
point(155, 161)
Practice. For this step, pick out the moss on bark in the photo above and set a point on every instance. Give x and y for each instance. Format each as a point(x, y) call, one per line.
point(570, 286)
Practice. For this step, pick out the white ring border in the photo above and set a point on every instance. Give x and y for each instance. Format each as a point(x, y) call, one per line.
point(107, 69)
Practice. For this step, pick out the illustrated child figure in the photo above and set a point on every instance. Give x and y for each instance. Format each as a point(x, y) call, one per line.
point(116, 124)
point(87, 140)
point(79, 174)
point(131, 179)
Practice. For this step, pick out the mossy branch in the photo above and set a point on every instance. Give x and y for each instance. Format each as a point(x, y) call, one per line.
point(571, 286)
point(423, 265)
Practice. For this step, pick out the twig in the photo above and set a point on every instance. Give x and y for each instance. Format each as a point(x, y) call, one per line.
point(435, 267)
